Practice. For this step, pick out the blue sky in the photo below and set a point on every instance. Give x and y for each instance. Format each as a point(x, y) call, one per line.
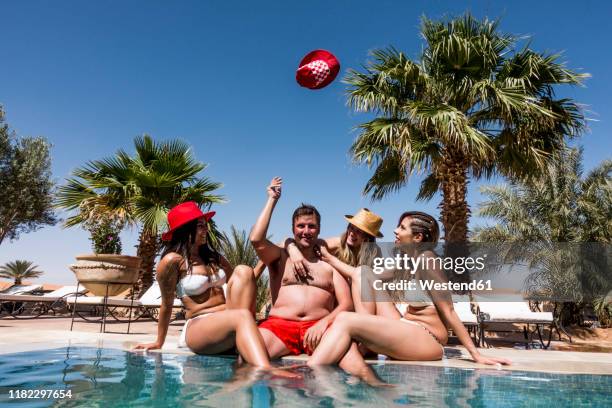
point(90, 76)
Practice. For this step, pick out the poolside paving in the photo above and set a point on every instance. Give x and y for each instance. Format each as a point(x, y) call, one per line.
point(53, 332)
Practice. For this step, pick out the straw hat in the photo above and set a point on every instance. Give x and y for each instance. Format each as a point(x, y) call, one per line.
point(181, 215)
point(366, 221)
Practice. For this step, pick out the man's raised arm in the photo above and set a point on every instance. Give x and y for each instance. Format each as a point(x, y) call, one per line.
point(267, 251)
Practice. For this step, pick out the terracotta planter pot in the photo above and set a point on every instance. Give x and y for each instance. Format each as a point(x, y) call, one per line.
point(94, 271)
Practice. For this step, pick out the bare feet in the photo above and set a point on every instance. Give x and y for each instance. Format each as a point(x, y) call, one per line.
point(369, 376)
point(283, 372)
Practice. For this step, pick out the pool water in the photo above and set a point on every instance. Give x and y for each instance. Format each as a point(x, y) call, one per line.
point(98, 377)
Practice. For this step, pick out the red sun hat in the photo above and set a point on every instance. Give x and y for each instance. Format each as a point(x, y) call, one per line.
point(317, 70)
point(181, 215)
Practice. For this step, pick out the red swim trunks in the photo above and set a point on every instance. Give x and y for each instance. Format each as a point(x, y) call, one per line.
point(290, 332)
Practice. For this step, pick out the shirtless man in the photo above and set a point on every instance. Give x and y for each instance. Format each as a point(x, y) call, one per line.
point(306, 304)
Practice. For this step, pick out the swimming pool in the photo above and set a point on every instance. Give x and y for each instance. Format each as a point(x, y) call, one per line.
point(100, 377)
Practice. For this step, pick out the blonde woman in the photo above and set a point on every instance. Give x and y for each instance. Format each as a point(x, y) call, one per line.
point(349, 250)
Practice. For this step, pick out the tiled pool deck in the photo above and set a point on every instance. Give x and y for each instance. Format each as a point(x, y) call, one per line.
point(26, 335)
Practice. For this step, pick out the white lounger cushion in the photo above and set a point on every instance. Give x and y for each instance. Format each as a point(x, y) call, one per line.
point(513, 312)
point(464, 312)
point(99, 301)
point(18, 289)
point(113, 301)
point(152, 297)
point(28, 298)
point(47, 297)
point(63, 291)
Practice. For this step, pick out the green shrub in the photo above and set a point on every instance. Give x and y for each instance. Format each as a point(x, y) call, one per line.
point(105, 237)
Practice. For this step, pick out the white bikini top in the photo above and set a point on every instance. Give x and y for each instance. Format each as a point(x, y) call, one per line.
point(193, 285)
point(418, 297)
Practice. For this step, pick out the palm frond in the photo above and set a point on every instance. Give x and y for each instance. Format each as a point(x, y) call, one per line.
point(388, 176)
point(237, 248)
point(470, 98)
point(19, 270)
point(429, 187)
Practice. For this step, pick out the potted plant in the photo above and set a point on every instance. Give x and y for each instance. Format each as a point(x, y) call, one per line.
point(105, 271)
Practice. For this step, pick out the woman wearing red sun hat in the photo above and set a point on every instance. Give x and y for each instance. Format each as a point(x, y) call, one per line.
point(191, 268)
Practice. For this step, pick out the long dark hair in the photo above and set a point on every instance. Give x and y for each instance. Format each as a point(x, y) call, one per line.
point(182, 240)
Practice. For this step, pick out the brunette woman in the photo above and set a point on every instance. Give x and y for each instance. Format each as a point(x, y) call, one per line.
point(419, 334)
point(191, 268)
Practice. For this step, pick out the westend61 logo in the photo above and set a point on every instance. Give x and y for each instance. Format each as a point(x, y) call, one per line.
point(459, 265)
point(401, 264)
point(502, 271)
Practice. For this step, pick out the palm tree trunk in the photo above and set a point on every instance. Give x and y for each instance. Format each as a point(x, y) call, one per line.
point(454, 209)
point(147, 249)
point(455, 212)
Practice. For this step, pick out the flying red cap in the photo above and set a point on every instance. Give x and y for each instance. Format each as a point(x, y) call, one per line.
point(317, 69)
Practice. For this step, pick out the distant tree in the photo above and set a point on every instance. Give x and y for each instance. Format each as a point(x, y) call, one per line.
point(561, 206)
point(25, 184)
point(473, 105)
point(19, 270)
point(237, 248)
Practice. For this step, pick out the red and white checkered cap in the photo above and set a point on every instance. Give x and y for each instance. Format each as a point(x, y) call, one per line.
point(317, 69)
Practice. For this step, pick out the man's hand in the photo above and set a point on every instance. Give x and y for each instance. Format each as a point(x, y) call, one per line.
point(314, 335)
point(297, 260)
point(275, 187)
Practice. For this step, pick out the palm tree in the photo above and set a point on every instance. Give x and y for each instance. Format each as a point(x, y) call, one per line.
point(237, 249)
point(19, 270)
point(473, 106)
point(139, 191)
point(561, 206)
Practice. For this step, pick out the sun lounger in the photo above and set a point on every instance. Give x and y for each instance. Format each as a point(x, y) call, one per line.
point(9, 306)
point(21, 289)
point(86, 307)
point(32, 306)
point(149, 305)
point(150, 302)
point(515, 312)
point(468, 318)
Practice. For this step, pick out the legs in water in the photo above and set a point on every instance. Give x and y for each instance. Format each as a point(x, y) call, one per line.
point(222, 330)
point(377, 303)
point(353, 363)
point(382, 335)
